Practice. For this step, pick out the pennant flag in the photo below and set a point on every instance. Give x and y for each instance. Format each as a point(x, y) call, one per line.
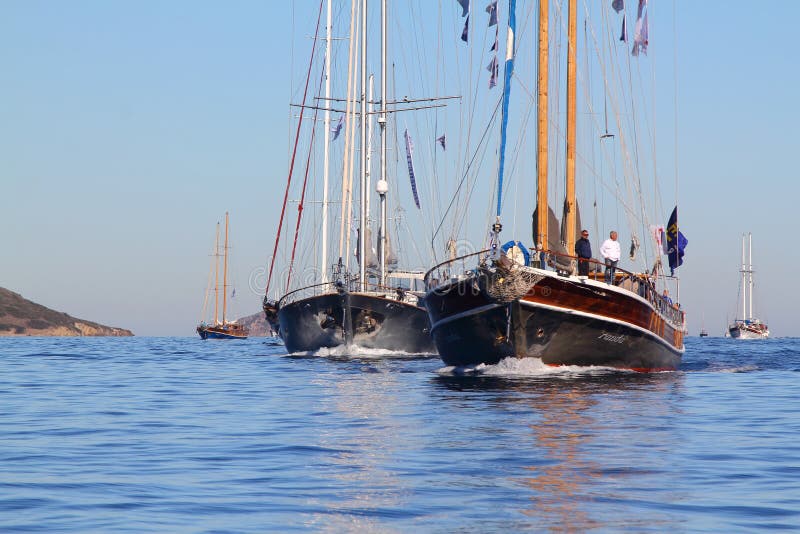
point(464, 7)
point(465, 31)
point(494, 68)
point(410, 160)
point(336, 130)
point(509, 70)
point(618, 5)
point(491, 9)
point(676, 242)
point(441, 141)
point(624, 34)
point(640, 32)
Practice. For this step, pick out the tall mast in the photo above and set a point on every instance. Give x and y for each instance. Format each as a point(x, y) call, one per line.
point(225, 272)
point(750, 271)
point(216, 277)
point(571, 93)
point(541, 160)
point(369, 146)
point(324, 256)
point(744, 283)
point(382, 186)
point(362, 223)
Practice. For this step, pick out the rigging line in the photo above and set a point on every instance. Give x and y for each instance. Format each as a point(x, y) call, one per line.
point(305, 182)
point(294, 153)
point(208, 288)
point(465, 175)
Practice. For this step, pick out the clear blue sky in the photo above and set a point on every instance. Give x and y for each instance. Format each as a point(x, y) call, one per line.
point(127, 129)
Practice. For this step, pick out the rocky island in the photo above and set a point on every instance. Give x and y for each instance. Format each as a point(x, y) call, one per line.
point(256, 324)
point(21, 317)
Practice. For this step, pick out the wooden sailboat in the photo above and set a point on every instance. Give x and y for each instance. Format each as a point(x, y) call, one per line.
point(221, 329)
point(510, 306)
point(748, 327)
point(343, 308)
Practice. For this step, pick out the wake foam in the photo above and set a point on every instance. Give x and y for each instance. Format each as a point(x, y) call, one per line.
point(522, 367)
point(354, 351)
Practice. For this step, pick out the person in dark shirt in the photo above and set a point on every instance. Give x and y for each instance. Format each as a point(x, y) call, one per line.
point(583, 249)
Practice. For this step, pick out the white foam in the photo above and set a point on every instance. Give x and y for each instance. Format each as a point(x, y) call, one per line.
point(516, 367)
point(354, 351)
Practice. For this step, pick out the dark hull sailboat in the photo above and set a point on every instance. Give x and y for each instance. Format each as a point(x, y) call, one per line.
point(496, 313)
point(222, 331)
point(391, 320)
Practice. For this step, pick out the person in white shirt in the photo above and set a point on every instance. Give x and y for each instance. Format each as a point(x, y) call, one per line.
point(610, 250)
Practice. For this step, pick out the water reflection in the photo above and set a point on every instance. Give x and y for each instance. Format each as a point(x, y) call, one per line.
point(584, 442)
point(363, 424)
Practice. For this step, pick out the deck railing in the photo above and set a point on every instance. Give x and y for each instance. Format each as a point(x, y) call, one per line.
point(639, 283)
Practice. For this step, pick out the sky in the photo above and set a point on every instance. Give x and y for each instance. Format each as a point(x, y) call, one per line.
point(128, 129)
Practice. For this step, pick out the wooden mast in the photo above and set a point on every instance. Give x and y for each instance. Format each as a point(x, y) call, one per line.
point(216, 278)
point(571, 91)
point(541, 160)
point(225, 273)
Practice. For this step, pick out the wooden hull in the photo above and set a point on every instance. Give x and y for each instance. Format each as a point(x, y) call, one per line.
point(561, 320)
point(221, 332)
point(372, 321)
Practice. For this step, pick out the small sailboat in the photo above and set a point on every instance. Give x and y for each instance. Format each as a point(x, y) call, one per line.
point(221, 329)
point(748, 327)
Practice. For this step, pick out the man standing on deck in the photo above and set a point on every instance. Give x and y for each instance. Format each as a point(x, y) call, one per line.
point(583, 249)
point(610, 250)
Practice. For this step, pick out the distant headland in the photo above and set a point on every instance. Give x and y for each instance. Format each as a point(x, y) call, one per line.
point(21, 317)
point(256, 324)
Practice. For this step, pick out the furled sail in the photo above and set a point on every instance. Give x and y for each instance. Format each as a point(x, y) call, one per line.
point(391, 257)
point(372, 261)
point(553, 235)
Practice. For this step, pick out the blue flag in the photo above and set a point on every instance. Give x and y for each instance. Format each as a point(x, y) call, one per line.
point(410, 161)
point(676, 242)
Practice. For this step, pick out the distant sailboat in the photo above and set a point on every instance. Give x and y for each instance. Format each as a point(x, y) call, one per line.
point(221, 329)
point(748, 327)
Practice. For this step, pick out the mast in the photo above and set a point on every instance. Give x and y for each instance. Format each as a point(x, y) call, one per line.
point(369, 146)
point(216, 277)
point(225, 272)
point(362, 223)
point(744, 283)
point(750, 271)
point(382, 187)
point(571, 93)
point(324, 256)
point(541, 160)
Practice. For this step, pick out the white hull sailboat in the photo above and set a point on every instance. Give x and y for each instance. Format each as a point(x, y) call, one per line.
point(748, 327)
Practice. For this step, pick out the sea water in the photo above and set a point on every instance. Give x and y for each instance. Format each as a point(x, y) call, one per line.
point(184, 435)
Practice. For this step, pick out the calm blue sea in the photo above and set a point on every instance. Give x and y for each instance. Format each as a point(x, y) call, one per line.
point(182, 435)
